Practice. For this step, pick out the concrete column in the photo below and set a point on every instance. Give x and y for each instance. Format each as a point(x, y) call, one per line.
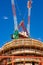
point(12, 60)
point(41, 63)
point(5, 62)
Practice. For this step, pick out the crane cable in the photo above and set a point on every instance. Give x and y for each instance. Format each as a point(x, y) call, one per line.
point(20, 12)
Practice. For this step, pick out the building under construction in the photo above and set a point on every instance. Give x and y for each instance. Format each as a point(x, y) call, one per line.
point(22, 50)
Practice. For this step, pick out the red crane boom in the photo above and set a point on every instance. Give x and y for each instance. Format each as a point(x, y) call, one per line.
point(23, 27)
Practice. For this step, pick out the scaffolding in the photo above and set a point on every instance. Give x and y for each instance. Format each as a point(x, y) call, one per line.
point(14, 57)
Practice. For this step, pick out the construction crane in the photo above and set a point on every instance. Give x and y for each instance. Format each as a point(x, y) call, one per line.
point(22, 22)
point(15, 35)
point(16, 27)
point(28, 25)
point(23, 27)
point(29, 12)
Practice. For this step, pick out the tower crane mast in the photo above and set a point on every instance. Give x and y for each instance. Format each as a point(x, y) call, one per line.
point(14, 15)
point(15, 35)
point(29, 12)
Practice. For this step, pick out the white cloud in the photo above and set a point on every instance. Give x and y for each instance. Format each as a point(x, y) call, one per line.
point(5, 17)
point(39, 39)
point(0, 48)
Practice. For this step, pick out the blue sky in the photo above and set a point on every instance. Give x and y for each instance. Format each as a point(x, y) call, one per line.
point(7, 23)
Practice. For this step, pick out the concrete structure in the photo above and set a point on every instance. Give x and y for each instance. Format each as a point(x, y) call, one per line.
point(23, 51)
